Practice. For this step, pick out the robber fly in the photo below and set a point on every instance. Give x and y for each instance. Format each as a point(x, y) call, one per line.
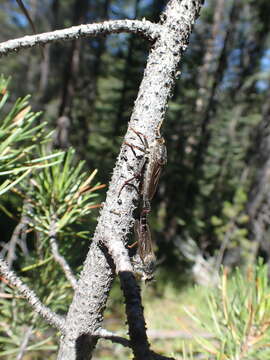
point(144, 260)
point(156, 160)
point(155, 157)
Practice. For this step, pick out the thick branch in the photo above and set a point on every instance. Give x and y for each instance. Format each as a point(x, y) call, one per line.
point(48, 315)
point(133, 302)
point(135, 317)
point(144, 28)
point(86, 311)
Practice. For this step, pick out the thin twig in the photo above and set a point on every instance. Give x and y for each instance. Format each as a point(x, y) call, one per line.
point(11, 256)
point(6, 328)
point(108, 335)
point(145, 28)
point(48, 315)
point(26, 338)
point(24, 343)
point(26, 13)
point(10, 296)
point(19, 235)
point(59, 258)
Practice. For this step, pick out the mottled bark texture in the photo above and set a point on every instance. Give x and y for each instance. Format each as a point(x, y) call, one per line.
point(145, 28)
point(108, 255)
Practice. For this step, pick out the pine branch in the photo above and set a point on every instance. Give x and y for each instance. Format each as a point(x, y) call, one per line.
point(145, 28)
point(48, 315)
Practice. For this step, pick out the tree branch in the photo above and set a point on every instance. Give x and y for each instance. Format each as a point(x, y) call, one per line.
point(48, 315)
point(135, 318)
point(59, 258)
point(85, 314)
point(144, 28)
point(133, 301)
point(19, 235)
point(24, 342)
point(108, 335)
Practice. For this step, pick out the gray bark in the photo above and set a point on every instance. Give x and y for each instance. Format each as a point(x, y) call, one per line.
point(145, 28)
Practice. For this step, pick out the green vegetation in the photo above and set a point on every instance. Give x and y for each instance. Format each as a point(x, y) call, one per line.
point(238, 316)
point(231, 321)
point(53, 196)
point(19, 139)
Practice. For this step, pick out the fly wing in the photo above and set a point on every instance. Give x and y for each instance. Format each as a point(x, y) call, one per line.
point(154, 179)
point(158, 158)
point(144, 239)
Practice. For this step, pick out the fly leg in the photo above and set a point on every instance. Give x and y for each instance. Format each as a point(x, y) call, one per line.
point(143, 149)
point(128, 183)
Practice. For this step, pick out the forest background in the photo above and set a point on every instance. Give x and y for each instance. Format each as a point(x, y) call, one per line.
point(213, 204)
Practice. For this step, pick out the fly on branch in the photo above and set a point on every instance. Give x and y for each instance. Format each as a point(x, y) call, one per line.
point(155, 157)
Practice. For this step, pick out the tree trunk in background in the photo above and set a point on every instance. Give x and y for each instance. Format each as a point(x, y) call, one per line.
point(258, 207)
point(32, 61)
point(250, 54)
point(205, 72)
point(126, 78)
point(98, 55)
point(71, 74)
point(158, 7)
point(44, 71)
point(45, 63)
point(55, 13)
point(73, 61)
point(252, 49)
point(204, 104)
point(209, 111)
point(210, 106)
point(205, 75)
point(87, 84)
point(254, 45)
